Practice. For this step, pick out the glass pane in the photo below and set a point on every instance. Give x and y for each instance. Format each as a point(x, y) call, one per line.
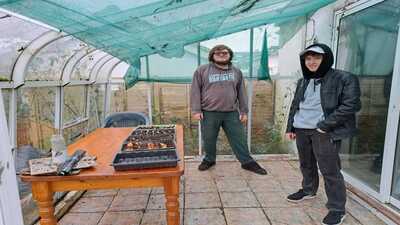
point(35, 116)
point(238, 42)
point(118, 98)
point(35, 126)
point(120, 70)
point(266, 132)
point(363, 36)
point(49, 62)
point(176, 70)
point(15, 35)
point(6, 101)
point(84, 66)
point(104, 71)
point(96, 110)
point(75, 132)
point(74, 104)
point(137, 97)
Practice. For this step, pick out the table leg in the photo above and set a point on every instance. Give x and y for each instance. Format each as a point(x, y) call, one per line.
point(43, 195)
point(171, 189)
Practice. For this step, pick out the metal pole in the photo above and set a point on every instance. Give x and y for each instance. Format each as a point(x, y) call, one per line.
point(199, 123)
point(149, 91)
point(250, 90)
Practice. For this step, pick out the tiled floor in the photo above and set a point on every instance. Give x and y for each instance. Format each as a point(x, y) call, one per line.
point(224, 195)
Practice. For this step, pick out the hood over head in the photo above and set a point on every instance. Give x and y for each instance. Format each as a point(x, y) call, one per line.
point(326, 64)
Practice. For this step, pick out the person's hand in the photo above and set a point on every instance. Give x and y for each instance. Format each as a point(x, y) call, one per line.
point(321, 131)
point(290, 136)
point(243, 118)
point(198, 116)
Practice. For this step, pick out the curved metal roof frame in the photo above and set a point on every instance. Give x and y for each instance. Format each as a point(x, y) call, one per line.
point(69, 66)
point(63, 38)
point(103, 70)
point(110, 78)
point(114, 65)
point(95, 54)
point(95, 69)
point(19, 70)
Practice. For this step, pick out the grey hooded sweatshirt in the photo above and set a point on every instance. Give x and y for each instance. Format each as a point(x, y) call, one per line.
point(218, 90)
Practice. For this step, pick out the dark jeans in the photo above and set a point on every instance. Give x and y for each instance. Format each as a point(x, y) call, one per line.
point(234, 130)
point(315, 147)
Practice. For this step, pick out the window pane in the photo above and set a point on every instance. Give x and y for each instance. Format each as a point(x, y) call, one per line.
point(35, 126)
point(96, 113)
point(363, 36)
point(15, 35)
point(118, 98)
point(74, 104)
point(240, 45)
point(75, 132)
point(84, 66)
point(35, 116)
point(120, 70)
point(176, 70)
point(104, 71)
point(48, 63)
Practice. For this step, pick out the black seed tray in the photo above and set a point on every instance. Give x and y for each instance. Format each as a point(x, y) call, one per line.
point(145, 159)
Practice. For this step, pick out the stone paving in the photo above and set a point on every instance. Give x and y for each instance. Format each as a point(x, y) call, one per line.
point(224, 195)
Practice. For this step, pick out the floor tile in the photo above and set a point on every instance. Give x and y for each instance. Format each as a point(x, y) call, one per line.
point(121, 218)
point(284, 216)
point(100, 193)
point(232, 185)
point(243, 216)
point(92, 204)
point(129, 202)
point(204, 217)
point(202, 200)
point(239, 199)
point(80, 219)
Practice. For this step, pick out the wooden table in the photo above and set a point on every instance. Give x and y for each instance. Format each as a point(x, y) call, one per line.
point(104, 143)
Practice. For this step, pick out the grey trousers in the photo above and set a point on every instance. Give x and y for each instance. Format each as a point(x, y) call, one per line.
point(318, 148)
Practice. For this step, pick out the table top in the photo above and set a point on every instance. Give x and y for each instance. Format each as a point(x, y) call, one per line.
point(104, 143)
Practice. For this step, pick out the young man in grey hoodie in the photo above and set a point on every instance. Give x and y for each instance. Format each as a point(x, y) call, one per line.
point(218, 99)
point(323, 112)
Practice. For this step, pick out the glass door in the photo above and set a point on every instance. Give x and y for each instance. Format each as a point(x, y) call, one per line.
point(366, 47)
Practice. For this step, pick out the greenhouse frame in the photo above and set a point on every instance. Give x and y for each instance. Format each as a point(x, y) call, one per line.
point(67, 65)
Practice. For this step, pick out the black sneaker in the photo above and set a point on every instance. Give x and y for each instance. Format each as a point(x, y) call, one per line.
point(334, 218)
point(254, 167)
point(299, 196)
point(205, 165)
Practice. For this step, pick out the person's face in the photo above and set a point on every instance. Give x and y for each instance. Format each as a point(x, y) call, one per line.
point(221, 56)
point(313, 61)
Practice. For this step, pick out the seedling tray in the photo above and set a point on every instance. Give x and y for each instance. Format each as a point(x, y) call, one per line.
point(145, 159)
point(154, 137)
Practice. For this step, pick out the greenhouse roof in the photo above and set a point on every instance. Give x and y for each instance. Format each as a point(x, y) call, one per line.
point(131, 29)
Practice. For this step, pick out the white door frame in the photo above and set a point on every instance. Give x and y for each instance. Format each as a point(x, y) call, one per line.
point(393, 113)
point(392, 129)
point(10, 206)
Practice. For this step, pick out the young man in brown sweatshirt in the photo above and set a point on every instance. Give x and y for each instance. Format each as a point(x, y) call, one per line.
point(218, 99)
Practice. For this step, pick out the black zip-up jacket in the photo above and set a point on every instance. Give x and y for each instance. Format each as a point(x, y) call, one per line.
point(340, 98)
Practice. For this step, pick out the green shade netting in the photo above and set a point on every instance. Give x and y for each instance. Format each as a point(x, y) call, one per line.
point(135, 28)
point(263, 70)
